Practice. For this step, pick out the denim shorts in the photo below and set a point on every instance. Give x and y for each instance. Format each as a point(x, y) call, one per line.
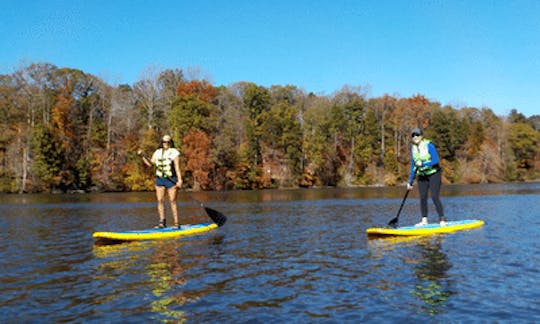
point(166, 182)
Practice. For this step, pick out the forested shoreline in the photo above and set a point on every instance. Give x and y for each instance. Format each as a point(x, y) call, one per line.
point(66, 130)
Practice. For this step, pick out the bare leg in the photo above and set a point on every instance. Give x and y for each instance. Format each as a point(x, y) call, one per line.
point(160, 195)
point(173, 193)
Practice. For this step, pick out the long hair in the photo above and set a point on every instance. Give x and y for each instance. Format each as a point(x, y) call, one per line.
point(171, 143)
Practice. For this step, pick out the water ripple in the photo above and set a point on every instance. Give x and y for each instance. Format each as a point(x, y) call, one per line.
point(300, 256)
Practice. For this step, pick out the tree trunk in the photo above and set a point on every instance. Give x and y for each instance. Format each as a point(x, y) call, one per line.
point(24, 172)
point(383, 148)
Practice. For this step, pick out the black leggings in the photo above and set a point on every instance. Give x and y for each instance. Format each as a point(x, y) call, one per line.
point(432, 183)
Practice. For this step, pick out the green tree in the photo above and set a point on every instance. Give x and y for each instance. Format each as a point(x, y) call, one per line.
point(319, 144)
point(189, 112)
point(281, 132)
point(256, 101)
point(228, 136)
point(368, 152)
point(49, 158)
point(64, 129)
point(447, 132)
point(524, 142)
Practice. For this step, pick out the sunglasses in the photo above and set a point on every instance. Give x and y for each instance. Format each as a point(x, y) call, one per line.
point(415, 135)
point(165, 142)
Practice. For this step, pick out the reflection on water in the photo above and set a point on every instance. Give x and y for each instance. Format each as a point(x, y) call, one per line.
point(165, 268)
point(431, 270)
point(166, 273)
point(283, 256)
point(432, 285)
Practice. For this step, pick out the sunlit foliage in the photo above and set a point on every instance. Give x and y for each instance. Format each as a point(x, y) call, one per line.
point(65, 130)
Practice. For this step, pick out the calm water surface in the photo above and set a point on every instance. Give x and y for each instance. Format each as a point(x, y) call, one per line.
point(283, 256)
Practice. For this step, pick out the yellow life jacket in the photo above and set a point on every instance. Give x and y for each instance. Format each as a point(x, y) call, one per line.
point(420, 153)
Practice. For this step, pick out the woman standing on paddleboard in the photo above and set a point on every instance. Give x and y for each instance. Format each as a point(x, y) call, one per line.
point(425, 165)
point(166, 160)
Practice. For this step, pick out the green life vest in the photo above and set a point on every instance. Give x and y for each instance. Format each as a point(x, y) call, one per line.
point(420, 153)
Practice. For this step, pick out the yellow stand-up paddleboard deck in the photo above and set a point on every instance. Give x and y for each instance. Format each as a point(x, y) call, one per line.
point(156, 233)
point(434, 228)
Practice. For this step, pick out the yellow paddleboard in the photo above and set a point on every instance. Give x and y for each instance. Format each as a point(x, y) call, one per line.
point(434, 228)
point(155, 233)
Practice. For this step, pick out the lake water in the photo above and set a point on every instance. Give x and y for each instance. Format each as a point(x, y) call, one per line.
point(283, 256)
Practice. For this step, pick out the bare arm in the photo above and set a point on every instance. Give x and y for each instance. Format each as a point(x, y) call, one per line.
point(145, 158)
point(178, 173)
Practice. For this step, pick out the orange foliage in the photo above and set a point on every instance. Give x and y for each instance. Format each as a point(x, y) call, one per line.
point(61, 119)
point(418, 100)
point(420, 108)
point(201, 89)
point(60, 111)
point(197, 150)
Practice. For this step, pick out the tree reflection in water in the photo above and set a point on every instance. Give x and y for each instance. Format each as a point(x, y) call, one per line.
point(424, 257)
point(168, 279)
point(166, 275)
point(433, 285)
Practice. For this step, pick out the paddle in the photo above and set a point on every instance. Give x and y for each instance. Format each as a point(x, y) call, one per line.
point(394, 222)
point(216, 216)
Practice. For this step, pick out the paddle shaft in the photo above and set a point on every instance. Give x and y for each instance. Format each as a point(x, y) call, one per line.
point(394, 220)
point(403, 203)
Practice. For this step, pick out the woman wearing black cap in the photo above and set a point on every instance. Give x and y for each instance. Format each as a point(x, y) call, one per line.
point(425, 165)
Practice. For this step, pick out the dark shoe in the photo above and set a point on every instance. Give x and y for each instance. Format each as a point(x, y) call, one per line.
point(162, 224)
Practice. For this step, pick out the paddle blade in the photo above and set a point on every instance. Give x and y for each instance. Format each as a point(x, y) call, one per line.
point(216, 216)
point(394, 222)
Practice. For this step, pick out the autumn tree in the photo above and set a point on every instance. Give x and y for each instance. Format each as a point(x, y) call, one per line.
point(193, 109)
point(12, 124)
point(64, 129)
point(408, 113)
point(348, 119)
point(197, 151)
point(473, 129)
point(200, 90)
point(34, 88)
